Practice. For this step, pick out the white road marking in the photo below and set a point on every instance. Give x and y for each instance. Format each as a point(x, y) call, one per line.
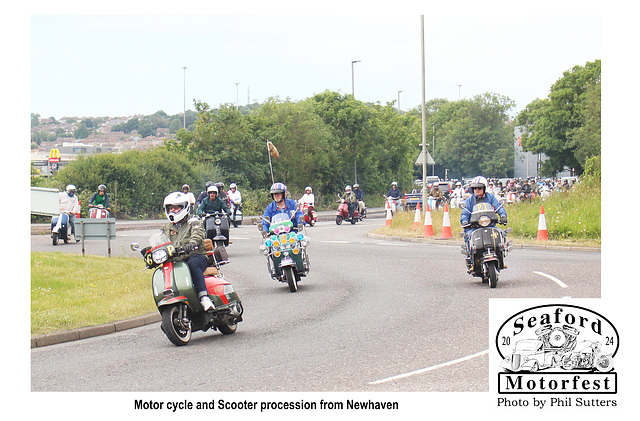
point(553, 278)
point(336, 242)
point(435, 367)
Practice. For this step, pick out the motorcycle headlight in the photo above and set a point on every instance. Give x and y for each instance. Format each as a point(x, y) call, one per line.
point(218, 221)
point(484, 221)
point(159, 256)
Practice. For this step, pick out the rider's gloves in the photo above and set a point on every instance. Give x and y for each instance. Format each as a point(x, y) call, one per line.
point(190, 247)
point(503, 220)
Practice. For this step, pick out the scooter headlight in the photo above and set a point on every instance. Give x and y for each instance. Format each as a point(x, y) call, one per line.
point(159, 256)
point(305, 241)
point(264, 249)
point(484, 221)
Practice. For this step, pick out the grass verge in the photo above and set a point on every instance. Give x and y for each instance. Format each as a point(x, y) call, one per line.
point(572, 218)
point(69, 291)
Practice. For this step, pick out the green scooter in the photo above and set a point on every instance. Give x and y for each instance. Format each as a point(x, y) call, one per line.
point(286, 249)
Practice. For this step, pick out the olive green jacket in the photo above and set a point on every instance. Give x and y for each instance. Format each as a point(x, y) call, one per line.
point(183, 233)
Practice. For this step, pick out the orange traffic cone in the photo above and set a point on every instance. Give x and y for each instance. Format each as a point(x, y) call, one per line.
point(428, 224)
point(389, 216)
point(418, 219)
point(543, 235)
point(78, 213)
point(446, 224)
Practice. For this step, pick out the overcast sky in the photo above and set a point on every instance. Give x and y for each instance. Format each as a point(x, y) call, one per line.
point(108, 65)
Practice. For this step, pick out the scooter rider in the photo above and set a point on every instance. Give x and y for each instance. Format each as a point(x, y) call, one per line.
point(479, 187)
point(235, 197)
point(281, 204)
point(308, 197)
point(359, 198)
point(394, 193)
point(100, 198)
point(212, 203)
point(190, 237)
point(350, 198)
point(70, 205)
point(192, 199)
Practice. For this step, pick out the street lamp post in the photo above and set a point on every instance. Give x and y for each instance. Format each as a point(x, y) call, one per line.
point(184, 116)
point(353, 78)
point(355, 167)
point(459, 85)
point(237, 83)
point(399, 100)
point(433, 130)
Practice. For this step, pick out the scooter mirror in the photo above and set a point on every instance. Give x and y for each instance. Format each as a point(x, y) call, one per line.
point(135, 246)
point(194, 221)
point(300, 227)
point(254, 221)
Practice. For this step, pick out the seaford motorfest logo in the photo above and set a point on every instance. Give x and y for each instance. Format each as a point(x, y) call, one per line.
point(557, 349)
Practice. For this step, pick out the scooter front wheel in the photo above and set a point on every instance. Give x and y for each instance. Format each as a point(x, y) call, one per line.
point(291, 278)
point(492, 273)
point(338, 219)
point(172, 326)
point(55, 238)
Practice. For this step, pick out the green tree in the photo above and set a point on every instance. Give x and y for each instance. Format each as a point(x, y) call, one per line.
point(81, 131)
point(35, 120)
point(566, 125)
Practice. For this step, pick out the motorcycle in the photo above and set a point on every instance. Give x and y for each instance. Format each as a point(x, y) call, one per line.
point(511, 198)
point(310, 215)
point(60, 229)
point(216, 228)
point(486, 246)
point(176, 297)
point(286, 250)
point(343, 213)
point(98, 211)
point(236, 213)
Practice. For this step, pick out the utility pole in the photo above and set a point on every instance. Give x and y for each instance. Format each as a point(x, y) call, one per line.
point(424, 122)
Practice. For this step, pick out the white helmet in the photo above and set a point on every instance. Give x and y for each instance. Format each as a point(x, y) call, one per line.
point(177, 199)
point(308, 188)
point(348, 188)
point(71, 187)
point(212, 188)
point(479, 181)
point(232, 186)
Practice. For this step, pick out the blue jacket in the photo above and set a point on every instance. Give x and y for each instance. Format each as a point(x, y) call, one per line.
point(471, 202)
point(290, 205)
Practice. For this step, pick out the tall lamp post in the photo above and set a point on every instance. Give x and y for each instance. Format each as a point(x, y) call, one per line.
point(459, 85)
point(237, 83)
point(355, 168)
point(184, 116)
point(399, 100)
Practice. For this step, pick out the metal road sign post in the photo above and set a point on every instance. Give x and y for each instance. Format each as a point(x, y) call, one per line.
point(96, 229)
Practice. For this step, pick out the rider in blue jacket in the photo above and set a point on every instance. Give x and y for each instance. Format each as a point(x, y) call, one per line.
point(479, 189)
point(281, 204)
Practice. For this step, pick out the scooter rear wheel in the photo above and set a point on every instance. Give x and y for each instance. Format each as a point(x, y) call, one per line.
point(172, 327)
point(291, 278)
point(228, 329)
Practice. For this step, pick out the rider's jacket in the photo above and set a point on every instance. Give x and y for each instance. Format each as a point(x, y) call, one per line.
point(394, 193)
point(359, 194)
point(235, 197)
point(207, 206)
point(308, 198)
point(473, 200)
point(96, 200)
point(290, 205)
point(68, 203)
point(349, 197)
point(183, 233)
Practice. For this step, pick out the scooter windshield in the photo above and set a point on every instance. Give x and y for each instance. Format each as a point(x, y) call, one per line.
point(280, 223)
point(158, 238)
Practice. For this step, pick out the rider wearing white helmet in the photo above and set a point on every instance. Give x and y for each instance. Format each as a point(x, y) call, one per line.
point(69, 204)
point(190, 237)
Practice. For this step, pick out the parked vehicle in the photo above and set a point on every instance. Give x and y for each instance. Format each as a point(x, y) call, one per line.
point(177, 299)
point(530, 355)
point(310, 215)
point(286, 250)
point(60, 229)
point(487, 245)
